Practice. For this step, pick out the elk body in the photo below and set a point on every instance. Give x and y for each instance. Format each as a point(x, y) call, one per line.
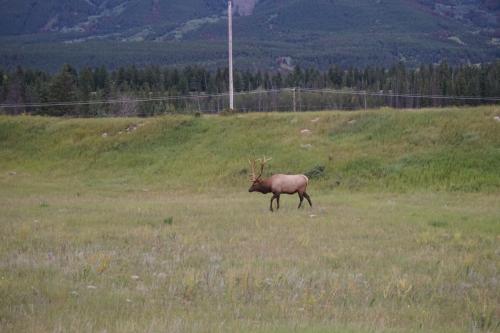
point(278, 184)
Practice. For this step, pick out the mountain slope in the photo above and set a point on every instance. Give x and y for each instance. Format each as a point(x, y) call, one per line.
point(98, 16)
point(313, 32)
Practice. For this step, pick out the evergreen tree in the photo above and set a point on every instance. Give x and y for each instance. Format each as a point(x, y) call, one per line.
point(63, 88)
point(86, 87)
point(3, 81)
point(16, 91)
point(101, 81)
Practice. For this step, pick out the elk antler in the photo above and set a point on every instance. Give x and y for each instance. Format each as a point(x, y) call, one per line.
point(262, 162)
point(253, 177)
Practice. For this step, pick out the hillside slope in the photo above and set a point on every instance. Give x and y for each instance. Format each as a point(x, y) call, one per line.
point(319, 32)
point(102, 16)
point(450, 149)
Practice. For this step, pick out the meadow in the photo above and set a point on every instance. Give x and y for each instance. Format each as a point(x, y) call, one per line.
point(146, 225)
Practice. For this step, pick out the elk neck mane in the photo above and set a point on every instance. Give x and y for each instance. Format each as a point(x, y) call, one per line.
point(265, 185)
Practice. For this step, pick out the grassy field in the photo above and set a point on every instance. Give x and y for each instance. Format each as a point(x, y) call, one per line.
point(146, 225)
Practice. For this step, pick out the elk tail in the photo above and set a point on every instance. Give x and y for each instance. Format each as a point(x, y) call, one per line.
point(307, 180)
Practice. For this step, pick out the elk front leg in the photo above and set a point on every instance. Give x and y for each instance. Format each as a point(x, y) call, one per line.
point(301, 196)
point(278, 201)
point(271, 205)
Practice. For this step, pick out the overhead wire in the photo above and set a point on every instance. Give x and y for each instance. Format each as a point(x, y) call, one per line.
point(244, 93)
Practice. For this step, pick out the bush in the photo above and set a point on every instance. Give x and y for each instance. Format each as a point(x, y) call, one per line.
point(317, 172)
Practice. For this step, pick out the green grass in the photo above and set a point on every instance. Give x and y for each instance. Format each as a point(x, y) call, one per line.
point(388, 150)
point(155, 231)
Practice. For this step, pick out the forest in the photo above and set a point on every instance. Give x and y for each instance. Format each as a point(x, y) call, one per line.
point(102, 92)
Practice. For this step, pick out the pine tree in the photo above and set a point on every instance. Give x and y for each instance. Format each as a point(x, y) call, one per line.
point(3, 90)
point(86, 88)
point(101, 81)
point(16, 90)
point(63, 88)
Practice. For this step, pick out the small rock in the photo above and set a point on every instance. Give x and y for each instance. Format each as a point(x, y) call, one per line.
point(305, 131)
point(315, 120)
point(74, 293)
point(162, 275)
point(134, 277)
point(312, 216)
point(306, 146)
point(497, 118)
point(91, 287)
point(104, 135)
point(12, 173)
point(350, 122)
point(129, 300)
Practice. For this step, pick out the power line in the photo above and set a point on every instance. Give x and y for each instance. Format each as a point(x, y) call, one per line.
point(135, 100)
point(384, 94)
point(253, 92)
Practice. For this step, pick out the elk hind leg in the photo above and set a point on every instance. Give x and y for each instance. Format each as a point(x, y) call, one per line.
point(278, 201)
point(308, 199)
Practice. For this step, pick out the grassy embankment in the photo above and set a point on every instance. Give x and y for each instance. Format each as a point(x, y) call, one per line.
point(152, 229)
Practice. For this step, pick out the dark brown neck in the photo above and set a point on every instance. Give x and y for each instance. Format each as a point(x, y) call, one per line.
point(264, 186)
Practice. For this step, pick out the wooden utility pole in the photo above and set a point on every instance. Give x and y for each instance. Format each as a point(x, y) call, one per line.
point(294, 100)
point(230, 40)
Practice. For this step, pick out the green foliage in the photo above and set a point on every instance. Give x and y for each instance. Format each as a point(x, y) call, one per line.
point(438, 224)
point(168, 221)
point(129, 83)
point(316, 172)
point(386, 150)
point(63, 88)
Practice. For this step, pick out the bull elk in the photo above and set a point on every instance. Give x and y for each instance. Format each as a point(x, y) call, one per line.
point(278, 184)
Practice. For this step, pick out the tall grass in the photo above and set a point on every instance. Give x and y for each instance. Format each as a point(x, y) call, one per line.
point(450, 149)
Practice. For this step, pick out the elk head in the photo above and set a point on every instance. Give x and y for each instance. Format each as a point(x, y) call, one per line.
point(257, 181)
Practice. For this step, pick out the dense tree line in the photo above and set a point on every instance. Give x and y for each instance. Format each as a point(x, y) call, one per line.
point(27, 86)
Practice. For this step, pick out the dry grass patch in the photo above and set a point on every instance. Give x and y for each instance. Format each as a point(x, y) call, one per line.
point(359, 262)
